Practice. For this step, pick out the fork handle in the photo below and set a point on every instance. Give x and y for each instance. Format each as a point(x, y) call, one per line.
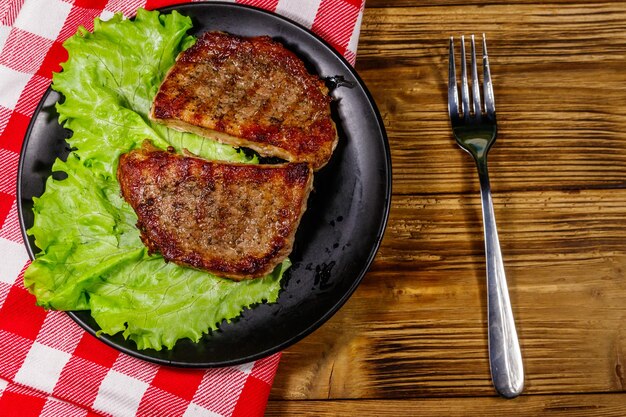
point(505, 358)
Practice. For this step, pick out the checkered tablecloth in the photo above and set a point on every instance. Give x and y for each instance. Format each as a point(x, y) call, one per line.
point(48, 365)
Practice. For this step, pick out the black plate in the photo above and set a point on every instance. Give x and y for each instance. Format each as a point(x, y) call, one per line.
point(339, 234)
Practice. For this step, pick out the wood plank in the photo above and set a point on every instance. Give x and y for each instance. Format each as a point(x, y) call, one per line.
point(537, 54)
point(416, 325)
point(377, 4)
point(412, 339)
point(536, 228)
point(567, 405)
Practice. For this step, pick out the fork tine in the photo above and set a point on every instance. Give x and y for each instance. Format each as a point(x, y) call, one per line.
point(453, 92)
point(464, 85)
point(490, 105)
point(475, 86)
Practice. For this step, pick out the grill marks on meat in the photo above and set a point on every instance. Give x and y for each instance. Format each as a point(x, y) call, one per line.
point(249, 92)
point(235, 220)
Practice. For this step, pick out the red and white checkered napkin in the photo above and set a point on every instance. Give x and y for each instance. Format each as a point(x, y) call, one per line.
point(48, 365)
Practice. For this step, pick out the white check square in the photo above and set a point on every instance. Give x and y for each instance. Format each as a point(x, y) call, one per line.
point(302, 12)
point(246, 368)
point(106, 15)
point(194, 410)
point(354, 39)
point(11, 85)
point(4, 35)
point(14, 257)
point(42, 367)
point(120, 395)
point(43, 17)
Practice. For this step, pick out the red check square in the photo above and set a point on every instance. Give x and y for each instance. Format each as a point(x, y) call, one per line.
point(56, 55)
point(91, 4)
point(13, 135)
point(155, 4)
point(6, 202)
point(94, 350)
point(181, 382)
point(20, 315)
point(21, 404)
point(253, 399)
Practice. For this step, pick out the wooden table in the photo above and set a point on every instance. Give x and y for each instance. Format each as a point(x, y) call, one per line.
point(412, 339)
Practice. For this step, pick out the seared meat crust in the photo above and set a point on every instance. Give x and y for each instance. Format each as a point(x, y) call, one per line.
point(235, 220)
point(249, 92)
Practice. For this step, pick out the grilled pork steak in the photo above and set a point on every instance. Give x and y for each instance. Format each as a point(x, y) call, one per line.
point(249, 92)
point(235, 220)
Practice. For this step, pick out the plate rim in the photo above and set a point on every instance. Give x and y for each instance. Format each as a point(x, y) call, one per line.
point(355, 282)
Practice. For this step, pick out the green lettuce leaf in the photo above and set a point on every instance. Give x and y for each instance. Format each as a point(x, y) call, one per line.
point(91, 254)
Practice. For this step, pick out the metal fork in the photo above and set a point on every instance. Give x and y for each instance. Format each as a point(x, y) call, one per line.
point(475, 131)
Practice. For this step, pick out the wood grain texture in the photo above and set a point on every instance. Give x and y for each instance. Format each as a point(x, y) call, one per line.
point(417, 324)
point(412, 339)
point(613, 405)
point(558, 78)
